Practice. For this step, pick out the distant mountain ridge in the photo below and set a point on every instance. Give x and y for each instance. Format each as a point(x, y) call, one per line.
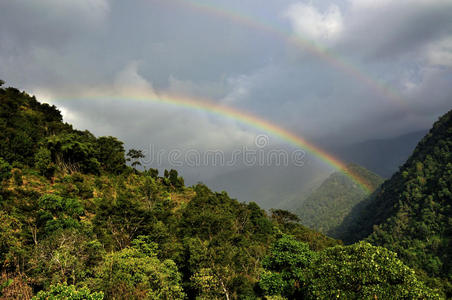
point(288, 187)
point(325, 209)
point(381, 156)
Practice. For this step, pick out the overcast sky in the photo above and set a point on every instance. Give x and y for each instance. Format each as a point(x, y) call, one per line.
point(235, 52)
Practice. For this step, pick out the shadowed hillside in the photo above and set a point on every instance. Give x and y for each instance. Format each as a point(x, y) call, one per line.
point(325, 209)
point(411, 213)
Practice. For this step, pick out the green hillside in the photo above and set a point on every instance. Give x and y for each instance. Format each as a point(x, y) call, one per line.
point(325, 209)
point(412, 212)
point(76, 222)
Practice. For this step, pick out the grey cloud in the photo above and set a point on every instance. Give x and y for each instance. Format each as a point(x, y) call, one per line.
point(50, 22)
point(389, 29)
point(65, 49)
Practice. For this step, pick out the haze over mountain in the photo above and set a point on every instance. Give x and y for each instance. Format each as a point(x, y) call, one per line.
point(288, 186)
point(271, 187)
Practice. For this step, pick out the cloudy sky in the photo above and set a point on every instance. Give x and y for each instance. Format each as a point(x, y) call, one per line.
point(331, 71)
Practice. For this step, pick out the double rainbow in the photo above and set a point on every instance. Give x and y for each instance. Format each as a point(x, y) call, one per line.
point(254, 121)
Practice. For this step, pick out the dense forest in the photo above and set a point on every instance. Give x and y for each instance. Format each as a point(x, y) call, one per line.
point(79, 221)
point(325, 209)
point(411, 213)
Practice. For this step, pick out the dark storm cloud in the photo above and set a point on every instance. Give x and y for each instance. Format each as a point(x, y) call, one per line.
point(388, 29)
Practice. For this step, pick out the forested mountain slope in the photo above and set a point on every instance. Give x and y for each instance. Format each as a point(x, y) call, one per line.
point(411, 214)
point(325, 209)
point(77, 223)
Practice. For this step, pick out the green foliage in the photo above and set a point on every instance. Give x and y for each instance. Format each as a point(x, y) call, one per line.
point(92, 221)
point(24, 122)
point(328, 206)
point(285, 265)
point(34, 134)
point(172, 179)
point(5, 170)
point(283, 216)
point(73, 152)
point(410, 214)
point(111, 154)
point(118, 223)
point(360, 271)
point(136, 273)
point(68, 292)
point(43, 162)
point(223, 239)
point(150, 190)
point(17, 176)
point(154, 173)
point(58, 213)
point(11, 243)
point(288, 224)
point(134, 156)
point(65, 256)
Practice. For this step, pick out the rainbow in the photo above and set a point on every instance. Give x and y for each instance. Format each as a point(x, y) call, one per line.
point(248, 119)
point(303, 43)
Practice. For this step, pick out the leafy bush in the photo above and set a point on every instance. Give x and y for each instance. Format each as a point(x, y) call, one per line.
point(43, 162)
point(136, 273)
point(359, 271)
point(68, 292)
point(5, 170)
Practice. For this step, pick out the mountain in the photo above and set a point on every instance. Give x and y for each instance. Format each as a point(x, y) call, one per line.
point(77, 222)
point(411, 213)
point(325, 209)
point(381, 156)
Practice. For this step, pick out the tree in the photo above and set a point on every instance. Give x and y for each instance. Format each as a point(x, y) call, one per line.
point(58, 213)
point(73, 152)
point(283, 216)
point(43, 162)
point(68, 292)
point(285, 267)
point(362, 271)
point(66, 256)
point(11, 244)
point(211, 283)
point(136, 273)
point(5, 170)
point(154, 173)
point(135, 156)
point(150, 190)
point(174, 178)
point(111, 154)
point(359, 271)
point(118, 222)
